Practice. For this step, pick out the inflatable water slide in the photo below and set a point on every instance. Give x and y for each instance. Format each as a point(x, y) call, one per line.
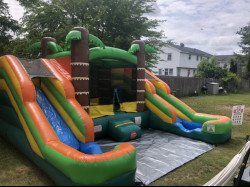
point(185, 121)
point(53, 109)
point(32, 116)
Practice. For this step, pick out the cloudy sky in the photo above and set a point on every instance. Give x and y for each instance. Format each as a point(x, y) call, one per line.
point(208, 25)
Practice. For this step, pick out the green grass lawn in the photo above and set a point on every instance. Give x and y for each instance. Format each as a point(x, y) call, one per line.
point(16, 169)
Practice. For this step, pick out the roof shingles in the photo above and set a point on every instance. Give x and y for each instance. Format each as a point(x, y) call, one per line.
point(192, 51)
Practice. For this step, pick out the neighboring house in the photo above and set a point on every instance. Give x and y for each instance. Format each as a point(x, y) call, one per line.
point(179, 60)
point(224, 60)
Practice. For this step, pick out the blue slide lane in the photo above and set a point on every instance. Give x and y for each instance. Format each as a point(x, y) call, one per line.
point(187, 126)
point(61, 129)
point(59, 126)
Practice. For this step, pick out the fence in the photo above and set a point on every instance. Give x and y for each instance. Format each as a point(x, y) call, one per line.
point(244, 84)
point(184, 86)
point(187, 86)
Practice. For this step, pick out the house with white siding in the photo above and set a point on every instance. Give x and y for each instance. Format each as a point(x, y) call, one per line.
point(224, 60)
point(178, 60)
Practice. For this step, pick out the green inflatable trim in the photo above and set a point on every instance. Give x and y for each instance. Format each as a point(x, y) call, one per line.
point(64, 103)
point(73, 35)
point(98, 53)
point(122, 129)
point(55, 48)
point(93, 172)
point(211, 138)
point(134, 48)
point(7, 112)
point(158, 104)
point(95, 41)
point(150, 49)
point(175, 103)
point(219, 128)
point(22, 110)
point(72, 168)
point(12, 134)
point(60, 55)
point(76, 35)
point(104, 121)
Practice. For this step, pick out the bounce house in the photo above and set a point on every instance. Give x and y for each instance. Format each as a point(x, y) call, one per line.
point(55, 107)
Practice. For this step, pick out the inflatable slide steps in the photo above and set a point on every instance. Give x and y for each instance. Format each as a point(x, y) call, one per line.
point(124, 130)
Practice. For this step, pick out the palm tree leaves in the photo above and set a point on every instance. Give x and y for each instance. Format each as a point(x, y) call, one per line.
point(73, 35)
point(76, 35)
point(35, 47)
point(55, 48)
point(148, 49)
point(134, 48)
point(95, 41)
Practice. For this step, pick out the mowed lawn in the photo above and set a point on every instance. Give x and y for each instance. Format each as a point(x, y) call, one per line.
point(16, 169)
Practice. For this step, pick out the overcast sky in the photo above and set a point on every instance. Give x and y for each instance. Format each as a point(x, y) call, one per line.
point(208, 25)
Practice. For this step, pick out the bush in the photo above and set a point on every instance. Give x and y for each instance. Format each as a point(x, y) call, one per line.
point(208, 68)
point(230, 81)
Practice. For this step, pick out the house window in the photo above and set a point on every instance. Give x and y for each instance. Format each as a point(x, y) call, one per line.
point(166, 71)
point(160, 71)
point(194, 71)
point(188, 72)
point(169, 71)
point(189, 56)
point(178, 72)
point(169, 56)
point(197, 58)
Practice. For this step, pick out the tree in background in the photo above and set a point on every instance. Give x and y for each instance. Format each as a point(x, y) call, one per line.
point(248, 66)
point(245, 38)
point(116, 22)
point(208, 68)
point(241, 60)
point(245, 45)
point(8, 27)
point(233, 65)
point(230, 81)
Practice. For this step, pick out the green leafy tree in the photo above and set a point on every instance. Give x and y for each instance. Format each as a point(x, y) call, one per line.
point(18, 47)
point(233, 65)
point(245, 45)
point(208, 68)
point(116, 22)
point(230, 81)
point(248, 66)
point(8, 27)
point(245, 38)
